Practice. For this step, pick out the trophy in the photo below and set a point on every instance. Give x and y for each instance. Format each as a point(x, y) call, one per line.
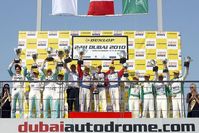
point(34, 57)
point(125, 65)
point(81, 52)
point(153, 63)
point(18, 54)
point(49, 56)
point(187, 61)
point(165, 70)
point(67, 52)
point(60, 63)
point(165, 61)
point(122, 55)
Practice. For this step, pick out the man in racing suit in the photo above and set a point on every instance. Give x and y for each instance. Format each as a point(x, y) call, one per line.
point(177, 92)
point(113, 82)
point(161, 89)
point(58, 98)
point(48, 93)
point(148, 97)
point(35, 92)
point(18, 88)
point(100, 96)
point(134, 97)
point(85, 79)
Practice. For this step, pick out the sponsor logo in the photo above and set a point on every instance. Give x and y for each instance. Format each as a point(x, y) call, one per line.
point(161, 54)
point(172, 64)
point(140, 54)
point(31, 34)
point(139, 34)
point(172, 43)
point(131, 43)
point(150, 43)
point(42, 43)
point(52, 34)
point(63, 43)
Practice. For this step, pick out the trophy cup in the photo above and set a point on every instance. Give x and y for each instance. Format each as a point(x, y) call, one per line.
point(18, 54)
point(60, 63)
point(67, 52)
point(49, 54)
point(164, 62)
point(34, 57)
point(187, 61)
point(81, 52)
point(126, 75)
point(122, 55)
point(153, 63)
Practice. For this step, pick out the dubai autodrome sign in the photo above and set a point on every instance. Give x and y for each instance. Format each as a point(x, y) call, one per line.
point(99, 125)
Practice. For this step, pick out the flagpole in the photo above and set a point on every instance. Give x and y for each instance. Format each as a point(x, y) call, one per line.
point(39, 15)
point(160, 15)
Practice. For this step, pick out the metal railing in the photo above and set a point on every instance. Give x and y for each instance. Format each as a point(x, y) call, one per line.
point(51, 100)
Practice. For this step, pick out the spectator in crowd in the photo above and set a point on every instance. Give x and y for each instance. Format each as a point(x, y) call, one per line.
point(193, 101)
point(6, 102)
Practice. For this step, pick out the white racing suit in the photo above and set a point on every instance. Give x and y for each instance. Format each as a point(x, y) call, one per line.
point(35, 97)
point(177, 96)
point(101, 96)
point(48, 96)
point(148, 100)
point(161, 99)
point(134, 99)
point(85, 93)
point(58, 100)
point(114, 91)
point(17, 91)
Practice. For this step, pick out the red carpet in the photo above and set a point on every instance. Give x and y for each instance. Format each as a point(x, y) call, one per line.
point(100, 115)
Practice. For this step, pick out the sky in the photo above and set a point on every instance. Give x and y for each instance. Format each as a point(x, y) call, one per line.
point(178, 15)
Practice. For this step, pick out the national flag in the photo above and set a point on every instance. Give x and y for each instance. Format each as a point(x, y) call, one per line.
point(101, 7)
point(135, 6)
point(64, 7)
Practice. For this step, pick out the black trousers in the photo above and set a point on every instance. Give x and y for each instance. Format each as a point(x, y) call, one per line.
point(73, 97)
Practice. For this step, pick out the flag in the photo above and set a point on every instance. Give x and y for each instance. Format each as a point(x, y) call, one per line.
point(101, 7)
point(64, 7)
point(135, 6)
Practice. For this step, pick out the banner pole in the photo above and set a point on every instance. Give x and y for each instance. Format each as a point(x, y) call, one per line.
point(39, 15)
point(159, 15)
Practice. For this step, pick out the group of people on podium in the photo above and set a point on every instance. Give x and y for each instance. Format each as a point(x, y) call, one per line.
point(71, 88)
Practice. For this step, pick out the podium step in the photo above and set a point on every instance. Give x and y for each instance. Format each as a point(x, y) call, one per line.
point(100, 115)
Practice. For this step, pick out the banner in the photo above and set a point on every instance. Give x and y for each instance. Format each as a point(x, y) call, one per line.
point(100, 125)
point(142, 47)
point(64, 7)
point(135, 6)
point(99, 47)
